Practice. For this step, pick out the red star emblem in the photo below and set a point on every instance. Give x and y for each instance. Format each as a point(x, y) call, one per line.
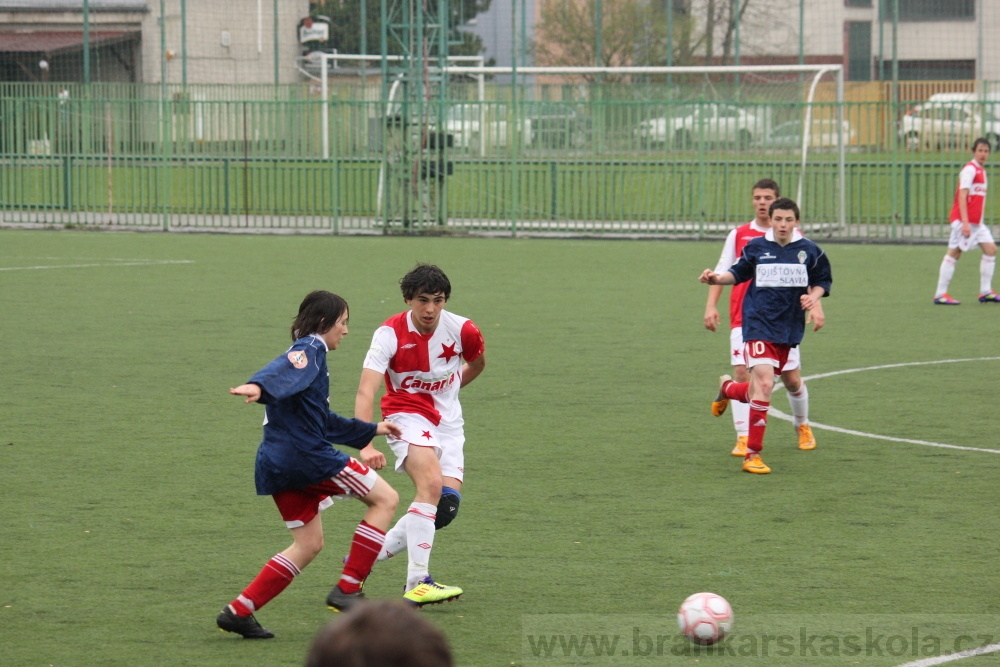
point(737, 353)
point(426, 434)
point(447, 352)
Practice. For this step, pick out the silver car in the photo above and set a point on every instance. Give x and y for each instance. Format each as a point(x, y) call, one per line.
point(692, 124)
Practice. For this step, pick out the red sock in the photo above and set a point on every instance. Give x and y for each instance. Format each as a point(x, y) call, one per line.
point(274, 577)
point(365, 546)
point(758, 423)
point(738, 391)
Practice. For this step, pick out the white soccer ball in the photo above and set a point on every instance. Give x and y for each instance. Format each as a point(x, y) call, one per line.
point(705, 618)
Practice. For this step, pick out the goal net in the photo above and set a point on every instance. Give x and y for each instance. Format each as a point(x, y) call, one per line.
point(759, 114)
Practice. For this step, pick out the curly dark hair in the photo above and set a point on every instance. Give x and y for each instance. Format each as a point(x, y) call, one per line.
point(425, 279)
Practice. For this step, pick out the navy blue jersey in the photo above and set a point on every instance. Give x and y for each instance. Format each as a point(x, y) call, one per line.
point(298, 423)
point(772, 310)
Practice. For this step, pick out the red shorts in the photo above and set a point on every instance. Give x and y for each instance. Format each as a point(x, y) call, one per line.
point(757, 352)
point(300, 506)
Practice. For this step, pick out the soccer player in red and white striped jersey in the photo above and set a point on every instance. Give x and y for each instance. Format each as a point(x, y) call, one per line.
point(424, 355)
point(968, 229)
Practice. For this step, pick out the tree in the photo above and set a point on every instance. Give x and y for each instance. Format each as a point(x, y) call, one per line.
point(634, 32)
point(566, 33)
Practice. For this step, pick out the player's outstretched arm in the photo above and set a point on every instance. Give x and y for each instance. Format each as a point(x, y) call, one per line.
point(364, 408)
point(387, 428)
point(710, 277)
point(251, 391)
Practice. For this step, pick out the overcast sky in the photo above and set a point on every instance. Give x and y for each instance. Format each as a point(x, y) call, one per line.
point(495, 28)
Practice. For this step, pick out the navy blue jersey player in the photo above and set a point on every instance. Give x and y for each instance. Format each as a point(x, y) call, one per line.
point(790, 275)
point(299, 469)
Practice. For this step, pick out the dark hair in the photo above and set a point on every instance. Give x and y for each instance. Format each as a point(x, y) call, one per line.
point(767, 184)
point(783, 204)
point(425, 279)
point(984, 141)
point(319, 311)
point(380, 633)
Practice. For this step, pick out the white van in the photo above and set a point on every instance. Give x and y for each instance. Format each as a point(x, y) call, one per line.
point(951, 120)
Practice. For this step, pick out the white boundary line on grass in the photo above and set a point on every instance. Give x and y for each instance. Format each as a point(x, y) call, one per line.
point(863, 434)
point(113, 262)
point(941, 659)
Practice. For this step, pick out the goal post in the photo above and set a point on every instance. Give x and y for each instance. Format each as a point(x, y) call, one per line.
point(838, 137)
point(806, 102)
point(328, 59)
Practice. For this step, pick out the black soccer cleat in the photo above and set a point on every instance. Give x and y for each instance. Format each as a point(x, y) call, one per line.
point(338, 600)
point(242, 625)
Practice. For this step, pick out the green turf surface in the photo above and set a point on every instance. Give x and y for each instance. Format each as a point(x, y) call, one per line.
point(600, 492)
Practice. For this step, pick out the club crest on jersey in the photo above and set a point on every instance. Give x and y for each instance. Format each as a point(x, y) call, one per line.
point(802, 256)
point(298, 359)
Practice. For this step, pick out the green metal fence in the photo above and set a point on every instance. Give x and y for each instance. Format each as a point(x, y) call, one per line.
point(621, 160)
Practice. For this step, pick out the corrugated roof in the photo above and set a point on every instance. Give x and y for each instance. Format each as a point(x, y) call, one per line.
point(59, 42)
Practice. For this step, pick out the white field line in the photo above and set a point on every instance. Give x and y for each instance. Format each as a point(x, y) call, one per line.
point(781, 415)
point(941, 659)
point(100, 264)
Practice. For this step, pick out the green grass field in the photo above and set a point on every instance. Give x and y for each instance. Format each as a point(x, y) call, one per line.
point(600, 492)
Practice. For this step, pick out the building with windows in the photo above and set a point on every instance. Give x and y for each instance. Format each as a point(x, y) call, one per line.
point(921, 39)
point(146, 41)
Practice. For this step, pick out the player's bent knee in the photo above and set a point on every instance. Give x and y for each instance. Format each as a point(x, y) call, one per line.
point(447, 508)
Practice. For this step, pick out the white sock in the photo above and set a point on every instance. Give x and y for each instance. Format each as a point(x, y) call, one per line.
point(395, 540)
point(986, 266)
point(419, 541)
point(741, 417)
point(799, 402)
point(945, 275)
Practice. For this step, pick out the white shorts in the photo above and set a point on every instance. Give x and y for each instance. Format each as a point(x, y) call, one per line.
point(979, 234)
point(447, 441)
point(737, 358)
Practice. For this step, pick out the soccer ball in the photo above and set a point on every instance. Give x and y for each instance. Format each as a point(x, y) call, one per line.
point(705, 618)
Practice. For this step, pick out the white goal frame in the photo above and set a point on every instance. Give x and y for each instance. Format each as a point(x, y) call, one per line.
point(479, 71)
point(818, 72)
point(324, 77)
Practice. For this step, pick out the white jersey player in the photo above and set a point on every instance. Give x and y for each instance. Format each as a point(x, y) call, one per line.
point(968, 229)
point(424, 355)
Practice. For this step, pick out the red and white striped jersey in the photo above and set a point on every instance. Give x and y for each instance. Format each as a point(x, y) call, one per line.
point(971, 178)
point(731, 251)
point(423, 372)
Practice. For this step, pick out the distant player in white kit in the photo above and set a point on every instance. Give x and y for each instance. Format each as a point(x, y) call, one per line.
point(425, 355)
point(764, 193)
point(968, 230)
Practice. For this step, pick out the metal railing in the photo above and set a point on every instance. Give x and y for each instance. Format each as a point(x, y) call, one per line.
point(617, 161)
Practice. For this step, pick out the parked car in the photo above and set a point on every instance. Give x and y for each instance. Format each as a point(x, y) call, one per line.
point(472, 124)
point(951, 120)
point(823, 134)
point(557, 125)
point(692, 124)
